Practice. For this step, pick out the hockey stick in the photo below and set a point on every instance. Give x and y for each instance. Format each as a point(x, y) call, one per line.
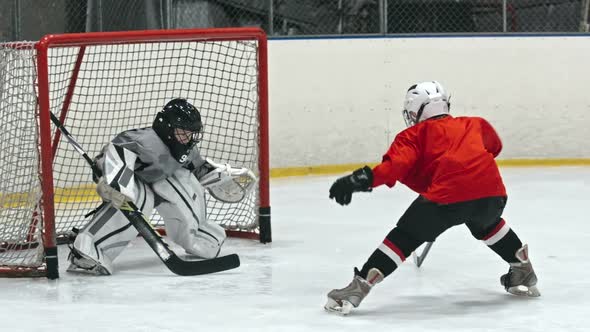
point(153, 238)
point(419, 259)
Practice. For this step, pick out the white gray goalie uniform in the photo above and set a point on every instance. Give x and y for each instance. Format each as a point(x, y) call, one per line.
point(143, 166)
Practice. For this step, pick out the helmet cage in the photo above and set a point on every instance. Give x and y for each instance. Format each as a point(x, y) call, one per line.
point(187, 136)
point(408, 118)
point(411, 118)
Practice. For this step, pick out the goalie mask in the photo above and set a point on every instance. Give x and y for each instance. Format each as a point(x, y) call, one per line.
point(424, 101)
point(179, 126)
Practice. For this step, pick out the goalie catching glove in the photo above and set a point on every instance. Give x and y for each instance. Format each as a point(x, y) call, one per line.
point(228, 184)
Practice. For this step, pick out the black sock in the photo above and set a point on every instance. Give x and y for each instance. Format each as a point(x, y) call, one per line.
point(380, 261)
point(507, 247)
point(394, 249)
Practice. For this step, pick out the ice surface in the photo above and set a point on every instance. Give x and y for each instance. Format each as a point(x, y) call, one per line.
point(282, 286)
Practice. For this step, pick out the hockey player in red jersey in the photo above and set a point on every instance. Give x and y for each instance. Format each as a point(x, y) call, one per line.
point(449, 162)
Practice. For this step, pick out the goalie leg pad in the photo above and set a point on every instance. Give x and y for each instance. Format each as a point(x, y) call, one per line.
point(85, 260)
point(184, 212)
point(107, 234)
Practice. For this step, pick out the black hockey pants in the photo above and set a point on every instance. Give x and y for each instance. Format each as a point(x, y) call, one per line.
point(424, 220)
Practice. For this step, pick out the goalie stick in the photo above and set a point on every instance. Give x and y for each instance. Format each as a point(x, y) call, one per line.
point(150, 235)
point(419, 259)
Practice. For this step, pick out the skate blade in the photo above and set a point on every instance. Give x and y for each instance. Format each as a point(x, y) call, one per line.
point(95, 271)
point(335, 307)
point(521, 290)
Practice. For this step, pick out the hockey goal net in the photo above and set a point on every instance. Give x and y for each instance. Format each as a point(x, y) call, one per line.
point(99, 84)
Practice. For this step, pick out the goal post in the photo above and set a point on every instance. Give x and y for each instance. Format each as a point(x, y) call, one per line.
point(100, 84)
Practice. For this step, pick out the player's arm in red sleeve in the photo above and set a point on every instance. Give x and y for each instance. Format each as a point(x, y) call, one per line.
point(397, 162)
point(491, 140)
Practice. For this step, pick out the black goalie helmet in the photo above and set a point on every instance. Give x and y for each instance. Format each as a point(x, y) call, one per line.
point(179, 126)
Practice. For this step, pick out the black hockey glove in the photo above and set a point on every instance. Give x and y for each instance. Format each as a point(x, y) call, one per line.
point(359, 180)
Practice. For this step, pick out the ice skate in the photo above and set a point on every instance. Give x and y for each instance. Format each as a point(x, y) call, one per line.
point(80, 263)
point(343, 300)
point(521, 278)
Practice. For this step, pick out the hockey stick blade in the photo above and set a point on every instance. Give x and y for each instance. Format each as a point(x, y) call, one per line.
point(419, 259)
point(193, 268)
point(153, 238)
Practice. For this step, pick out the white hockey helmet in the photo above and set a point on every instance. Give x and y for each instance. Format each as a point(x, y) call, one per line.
point(424, 101)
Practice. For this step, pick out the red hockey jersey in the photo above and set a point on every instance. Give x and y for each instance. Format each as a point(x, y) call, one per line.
point(446, 160)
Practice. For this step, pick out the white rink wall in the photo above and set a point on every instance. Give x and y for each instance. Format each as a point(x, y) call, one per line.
point(339, 101)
